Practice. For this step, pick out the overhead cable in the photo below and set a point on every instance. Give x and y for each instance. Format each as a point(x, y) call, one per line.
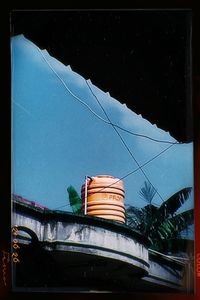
point(126, 146)
point(94, 113)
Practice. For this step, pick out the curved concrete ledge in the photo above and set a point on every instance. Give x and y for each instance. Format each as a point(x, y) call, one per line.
point(89, 252)
point(164, 271)
point(62, 231)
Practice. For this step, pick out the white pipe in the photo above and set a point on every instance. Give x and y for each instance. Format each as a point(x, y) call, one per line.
point(86, 183)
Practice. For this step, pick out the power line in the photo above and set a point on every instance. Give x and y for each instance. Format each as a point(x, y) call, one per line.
point(180, 260)
point(150, 160)
point(128, 131)
point(144, 136)
point(113, 125)
point(135, 170)
point(108, 122)
point(61, 206)
point(125, 145)
point(128, 174)
point(94, 113)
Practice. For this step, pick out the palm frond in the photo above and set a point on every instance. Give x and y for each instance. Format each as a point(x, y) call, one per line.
point(147, 192)
point(160, 225)
point(133, 216)
point(168, 229)
point(183, 220)
point(170, 206)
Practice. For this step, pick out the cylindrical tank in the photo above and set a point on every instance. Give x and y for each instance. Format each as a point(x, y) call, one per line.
point(105, 198)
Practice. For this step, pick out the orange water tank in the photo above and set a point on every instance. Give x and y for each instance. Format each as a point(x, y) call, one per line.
point(105, 198)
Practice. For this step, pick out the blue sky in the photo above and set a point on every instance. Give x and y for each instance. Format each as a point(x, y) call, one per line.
point(56, 140)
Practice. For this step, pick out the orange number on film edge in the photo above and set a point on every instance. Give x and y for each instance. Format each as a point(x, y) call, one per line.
point(15, 257)
point(15, 230)
point(15, 245)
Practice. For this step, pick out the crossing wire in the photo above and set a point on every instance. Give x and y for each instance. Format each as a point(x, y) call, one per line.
point(112, 124)
point(93, 112)
point(124, 143)
point(127, 174)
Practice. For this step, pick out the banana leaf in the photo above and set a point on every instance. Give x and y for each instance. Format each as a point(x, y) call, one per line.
point(74, 199)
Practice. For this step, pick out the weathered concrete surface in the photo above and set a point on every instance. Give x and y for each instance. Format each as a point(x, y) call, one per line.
point(163, 271)
point(68, 232)
point(94, 252)
point(96, 240)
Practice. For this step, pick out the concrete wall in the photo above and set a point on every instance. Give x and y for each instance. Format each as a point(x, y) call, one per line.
point(118, 245)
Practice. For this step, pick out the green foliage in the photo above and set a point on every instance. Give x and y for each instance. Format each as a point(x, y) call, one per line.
point(170, 206)
point(160, 224)
point(74, 199)
point(147, 192)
